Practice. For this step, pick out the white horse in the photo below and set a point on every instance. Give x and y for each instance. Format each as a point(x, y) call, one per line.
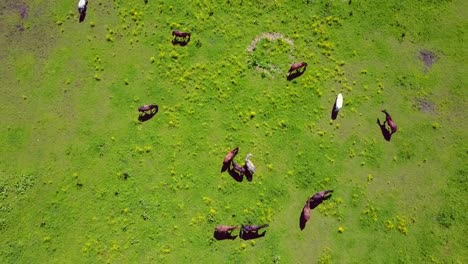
point(82, 4)
point(339, 102)
point(249, 164)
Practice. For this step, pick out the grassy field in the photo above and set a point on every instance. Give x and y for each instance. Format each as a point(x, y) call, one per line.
point(83, 181)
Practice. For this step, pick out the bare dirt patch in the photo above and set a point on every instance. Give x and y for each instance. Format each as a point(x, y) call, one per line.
point(425, 105)
point(17, 6)
point(428, 58)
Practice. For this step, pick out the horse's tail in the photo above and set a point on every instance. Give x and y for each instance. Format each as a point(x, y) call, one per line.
point(264, 225)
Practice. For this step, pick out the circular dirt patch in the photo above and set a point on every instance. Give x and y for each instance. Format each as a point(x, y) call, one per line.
point(427, 57)
point(425, 105)
point(263, 56)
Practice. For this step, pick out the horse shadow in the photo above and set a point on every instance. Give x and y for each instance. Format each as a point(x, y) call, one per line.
point(82, 16)
point(295, 74)
point(334, 113)
point(248, 175)
point(302, 221)
point(236, 176)
point(143, 117)
point(179, 42)
point(385, 132)
point(223, 236)
point(224, 168)
point(251, 235)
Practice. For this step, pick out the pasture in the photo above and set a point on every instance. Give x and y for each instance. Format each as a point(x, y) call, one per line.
point(82, 180)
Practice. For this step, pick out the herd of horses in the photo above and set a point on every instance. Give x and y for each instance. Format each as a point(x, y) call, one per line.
point(236, 170)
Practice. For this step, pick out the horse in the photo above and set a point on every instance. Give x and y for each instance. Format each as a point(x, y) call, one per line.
point(228, 158)
point(337, 106)
point(180, 34)
point(180, 38)
point(306, 210)
point(249, 165)
point(152, 107)
point(253, 228)
point(238, 168)
point(390, 121)
point(82, 6)
point(225, 228)
point(305, 214)
point(297, 66)
point(224, 232)
point(319, 197)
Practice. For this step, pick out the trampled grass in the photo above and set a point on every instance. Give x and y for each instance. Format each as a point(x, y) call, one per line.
point(82, 180)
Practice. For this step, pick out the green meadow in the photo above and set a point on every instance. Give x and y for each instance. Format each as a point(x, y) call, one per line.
point(82, 180)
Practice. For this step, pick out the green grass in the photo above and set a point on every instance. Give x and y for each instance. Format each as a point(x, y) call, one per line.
point(82, 180)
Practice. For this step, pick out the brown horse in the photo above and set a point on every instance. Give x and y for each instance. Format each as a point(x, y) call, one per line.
point(297, 67)
point(305, 214)
point(319, 197)
point(225, 228)
point(306, 210)
point(228, 159)
point(390, 121)
point(224, 232)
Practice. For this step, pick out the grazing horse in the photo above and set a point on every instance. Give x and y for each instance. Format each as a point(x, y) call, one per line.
point(82, 5)
point(296, 67)
point(252, 228)
point(390, 122)
point(185, 36)
point(225, 228)
point(249, 165)
point(306, 210)
point(319, 197)
point(251, 231)
point(152, 107)
point(227, 160)
point(224, 232)
point(337, 106)
point(238, 168)
point(305, 214)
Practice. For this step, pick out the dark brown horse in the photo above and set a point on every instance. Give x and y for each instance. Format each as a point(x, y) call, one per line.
point(151, 107)
point(147, 112)
point(224, 232)
point(319, 197)
point(180, 34)
point(238, 168)
point(251, 231)
point(390, 122)
point(297, 67)
point(180, 38)
point(252, 228)
point(228, 159)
